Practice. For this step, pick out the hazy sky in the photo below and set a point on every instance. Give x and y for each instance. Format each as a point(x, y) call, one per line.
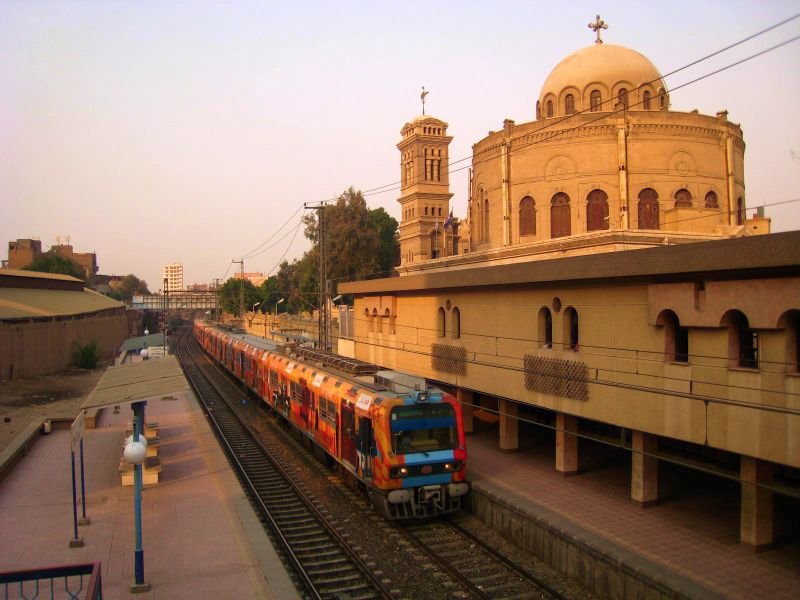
point(155, 131)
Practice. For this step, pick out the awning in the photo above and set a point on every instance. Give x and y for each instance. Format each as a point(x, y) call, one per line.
point(148, 379)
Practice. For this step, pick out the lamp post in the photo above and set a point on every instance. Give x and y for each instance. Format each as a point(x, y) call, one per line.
point(276, 306)
point(135, 453)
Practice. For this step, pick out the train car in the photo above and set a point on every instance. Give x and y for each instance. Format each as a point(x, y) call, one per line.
point(399, 437)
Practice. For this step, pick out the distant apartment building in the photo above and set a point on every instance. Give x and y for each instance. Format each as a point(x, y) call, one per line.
point(172, 274)
point(255, 278)
point(23, 252)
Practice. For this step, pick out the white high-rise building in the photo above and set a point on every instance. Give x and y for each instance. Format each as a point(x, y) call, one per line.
point(173, 273)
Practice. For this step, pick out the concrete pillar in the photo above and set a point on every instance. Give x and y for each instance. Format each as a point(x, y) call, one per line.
point(566, 444)
point(465, 399)
point(644, 469)
point(509, 426)
point(756, 529)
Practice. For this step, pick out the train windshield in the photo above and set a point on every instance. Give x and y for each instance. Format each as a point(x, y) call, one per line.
point(423, 428)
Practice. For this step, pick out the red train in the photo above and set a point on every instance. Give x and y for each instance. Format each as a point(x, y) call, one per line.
point(404, 441)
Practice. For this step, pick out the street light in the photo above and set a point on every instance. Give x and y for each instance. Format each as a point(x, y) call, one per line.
point(253, 309)
point(276, 306)
point(339, 297)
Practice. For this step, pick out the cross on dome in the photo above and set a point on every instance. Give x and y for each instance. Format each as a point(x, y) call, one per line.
point(597, 26)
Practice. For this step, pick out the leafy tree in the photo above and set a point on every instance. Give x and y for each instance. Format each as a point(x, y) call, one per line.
point(229, 295)
point(128, 287)
point(359, 241)
point(50, 262)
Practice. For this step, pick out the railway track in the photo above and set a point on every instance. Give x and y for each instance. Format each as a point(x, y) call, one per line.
point(323, 561)
point(475, 565)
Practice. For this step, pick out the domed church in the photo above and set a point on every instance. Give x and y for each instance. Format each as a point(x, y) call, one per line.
point(606, 165)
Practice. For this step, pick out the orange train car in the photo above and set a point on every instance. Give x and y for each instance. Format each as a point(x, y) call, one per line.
point(402, 439)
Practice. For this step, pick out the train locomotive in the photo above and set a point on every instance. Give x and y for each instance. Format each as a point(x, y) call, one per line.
point(401, 439)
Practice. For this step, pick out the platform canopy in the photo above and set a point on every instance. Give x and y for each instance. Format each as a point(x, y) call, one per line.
point(145, 380)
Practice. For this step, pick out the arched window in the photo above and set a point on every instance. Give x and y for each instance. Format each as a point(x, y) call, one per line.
point(455, 323)
point(560, 219)
point(596, 210)
point(646, 100)
point(790, 322)
point(676, 338)
point(378, 321)
point(622, 97)
point(683, 199)
point(389, 319)
point(485, 235)
point(648, 209)
point(711, 200)
point(740, 211)
point(571, 328)
point(569, 104)
point(594, 100)
point(545, 327)
point(440, 323)
point(662, 99)
point(742, 340)
point(370, 323)
point(538, 109)
point(549, 108)
point(436, 239)
point(527, 216)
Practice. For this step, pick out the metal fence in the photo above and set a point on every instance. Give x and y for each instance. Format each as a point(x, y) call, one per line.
point(71, 582)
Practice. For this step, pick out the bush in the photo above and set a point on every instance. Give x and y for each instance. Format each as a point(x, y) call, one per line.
point(86, 356)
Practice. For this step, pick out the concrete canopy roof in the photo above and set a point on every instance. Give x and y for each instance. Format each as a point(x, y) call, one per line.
point(22, 303)
point(756, 256)
point(145, 380)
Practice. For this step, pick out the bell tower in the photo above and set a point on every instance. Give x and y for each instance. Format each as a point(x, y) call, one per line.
point(425, 189)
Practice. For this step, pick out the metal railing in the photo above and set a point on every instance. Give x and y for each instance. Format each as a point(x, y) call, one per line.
point(73, 582)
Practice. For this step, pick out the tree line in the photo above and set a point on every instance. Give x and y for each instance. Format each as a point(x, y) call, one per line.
point(360, 243)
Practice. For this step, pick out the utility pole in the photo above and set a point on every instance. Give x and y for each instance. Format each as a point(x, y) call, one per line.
point(322, 278)
point(240, 262)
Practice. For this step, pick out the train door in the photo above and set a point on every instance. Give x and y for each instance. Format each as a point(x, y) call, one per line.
point(365, 446)
point(305, 404)
point(348, 430)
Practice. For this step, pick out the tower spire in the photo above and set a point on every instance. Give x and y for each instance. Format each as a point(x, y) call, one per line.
point(422, 97)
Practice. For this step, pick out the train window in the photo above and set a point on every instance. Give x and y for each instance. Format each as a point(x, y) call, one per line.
point(423, 428)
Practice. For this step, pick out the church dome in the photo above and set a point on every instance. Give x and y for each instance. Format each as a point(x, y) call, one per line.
point(599, 78)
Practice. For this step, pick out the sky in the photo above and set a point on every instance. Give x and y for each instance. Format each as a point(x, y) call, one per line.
point(152, 132)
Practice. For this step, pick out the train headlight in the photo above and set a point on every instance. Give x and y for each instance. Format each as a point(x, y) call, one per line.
point(398, 472)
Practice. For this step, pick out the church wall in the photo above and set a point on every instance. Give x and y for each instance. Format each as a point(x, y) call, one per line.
point(629, 380)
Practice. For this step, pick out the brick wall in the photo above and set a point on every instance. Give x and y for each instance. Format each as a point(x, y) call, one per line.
point(43, 346)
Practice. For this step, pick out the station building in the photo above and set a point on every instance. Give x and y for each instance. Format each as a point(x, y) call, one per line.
point(606, 284)
point(44, 315)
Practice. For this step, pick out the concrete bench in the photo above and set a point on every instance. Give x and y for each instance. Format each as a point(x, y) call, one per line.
point(150, 470)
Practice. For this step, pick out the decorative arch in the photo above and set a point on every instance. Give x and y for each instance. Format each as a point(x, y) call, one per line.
point(683, 198)
point(711, 200)
point(646, 101)
point(596, 211)
point(560, 216)
point(648, 209)
point(743, 342)
point(682, 163)
point(527, 216)
point(559, 167)
point(378, 326)
point(549, 108)
point(790, 323)
point(440, 322)
point(571, 329)
point(545, 327)
point(595, 100)
point(569, 104)
point(676, 338)
point(455, 323)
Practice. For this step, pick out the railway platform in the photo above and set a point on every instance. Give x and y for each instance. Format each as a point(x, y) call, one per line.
point(685, 547)
point(201, 538)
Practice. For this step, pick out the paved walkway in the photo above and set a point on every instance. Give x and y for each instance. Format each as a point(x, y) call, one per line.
point(692, 534)
point(201, 538)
